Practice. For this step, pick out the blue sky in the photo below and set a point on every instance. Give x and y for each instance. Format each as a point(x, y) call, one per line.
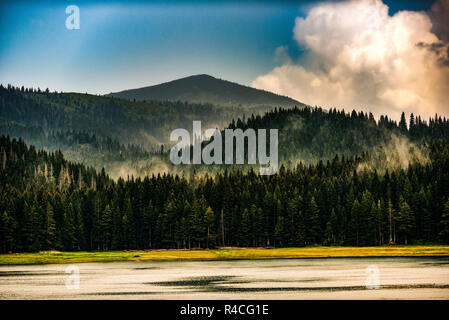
point(123, 45)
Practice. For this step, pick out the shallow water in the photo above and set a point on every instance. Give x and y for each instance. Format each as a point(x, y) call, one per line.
point(354, 278)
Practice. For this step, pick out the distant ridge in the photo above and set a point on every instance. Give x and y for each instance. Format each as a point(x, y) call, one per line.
point(204, 88)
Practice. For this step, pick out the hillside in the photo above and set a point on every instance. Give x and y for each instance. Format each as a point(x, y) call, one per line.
point(145, 123)
point(124, 136)
point(207, 89)
point(311, 134)
point(49, 203)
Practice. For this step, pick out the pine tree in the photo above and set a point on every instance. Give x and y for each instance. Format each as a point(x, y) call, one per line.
point(279, 231)
point(148, 221)
point(129, 235)
point(405, 219)
point(291, 214)
point(366, 224)
point(106, 227)
point(313, 217)
point(354, 223)
point(403, 123)
point(298, 225)
point(444, 233)
point(117, 233)
point(209, 217)
point(69, 229)
point(7, 226)
point(391, 222)
point(331, 229)
point(50, 226)
point(196, 221)
point(79, 230)
point(246, 228)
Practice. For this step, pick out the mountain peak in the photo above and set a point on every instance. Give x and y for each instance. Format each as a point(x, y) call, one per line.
point(203, 75)
point(204, 88)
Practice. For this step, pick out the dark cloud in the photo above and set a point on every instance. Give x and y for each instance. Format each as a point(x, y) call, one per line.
point(439, 15)
point(440, 49)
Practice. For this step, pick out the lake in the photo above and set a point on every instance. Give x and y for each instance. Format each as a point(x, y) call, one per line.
point(323, 278)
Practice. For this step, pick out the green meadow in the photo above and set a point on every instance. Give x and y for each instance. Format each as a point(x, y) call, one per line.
point(46, 257)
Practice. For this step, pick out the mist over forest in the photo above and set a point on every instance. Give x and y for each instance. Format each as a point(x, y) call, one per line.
point(131, 138)
point(86, 172)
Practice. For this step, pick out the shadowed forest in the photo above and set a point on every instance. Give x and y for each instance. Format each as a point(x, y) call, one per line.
point(345, 179)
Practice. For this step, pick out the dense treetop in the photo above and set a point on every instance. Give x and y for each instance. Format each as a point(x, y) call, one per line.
point(50, 203)
point(346, 178)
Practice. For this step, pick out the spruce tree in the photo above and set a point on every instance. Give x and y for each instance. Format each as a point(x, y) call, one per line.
point(106, 227)
point(50, 226)
point(444, 233)
point(405, 220)
point(7, 225)
point(209, 217)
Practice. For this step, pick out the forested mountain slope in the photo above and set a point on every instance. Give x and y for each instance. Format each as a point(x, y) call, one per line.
point(118, 134)
point(145, 123)
point(311, 134)
point(207, 89)
point(339, 185)
point(49, 203)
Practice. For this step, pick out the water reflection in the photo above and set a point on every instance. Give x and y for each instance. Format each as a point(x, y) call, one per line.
point(341, 278)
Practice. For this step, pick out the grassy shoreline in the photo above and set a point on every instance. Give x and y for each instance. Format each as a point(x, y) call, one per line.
point(224, 254)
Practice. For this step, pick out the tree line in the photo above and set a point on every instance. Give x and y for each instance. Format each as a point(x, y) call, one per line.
point(130, 122)
point(47, 202)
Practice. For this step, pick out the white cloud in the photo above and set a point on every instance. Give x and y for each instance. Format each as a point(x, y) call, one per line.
point(360, 57)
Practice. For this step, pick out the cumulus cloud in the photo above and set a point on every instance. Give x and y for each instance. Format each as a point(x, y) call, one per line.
point(358, 56)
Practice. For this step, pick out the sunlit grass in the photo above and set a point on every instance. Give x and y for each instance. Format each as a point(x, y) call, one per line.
point(45, 257)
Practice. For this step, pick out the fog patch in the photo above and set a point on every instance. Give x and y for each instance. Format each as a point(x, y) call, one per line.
point(398, 153)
